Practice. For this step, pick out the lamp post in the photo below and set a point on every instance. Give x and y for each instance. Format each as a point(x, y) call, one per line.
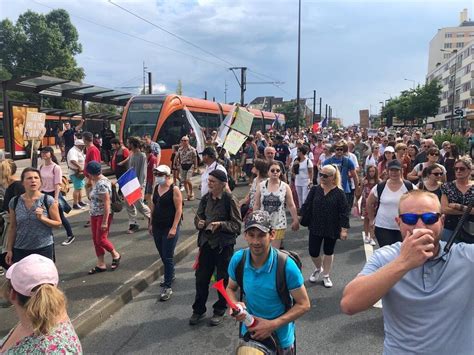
point(381, 112)
point(413, 81)
point(298, 109)
point(454, 51)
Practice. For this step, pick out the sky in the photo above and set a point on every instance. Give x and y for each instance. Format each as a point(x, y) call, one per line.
point(355, 54)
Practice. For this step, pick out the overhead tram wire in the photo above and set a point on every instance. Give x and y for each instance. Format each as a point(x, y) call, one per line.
point(189, 42)
point(136, 37)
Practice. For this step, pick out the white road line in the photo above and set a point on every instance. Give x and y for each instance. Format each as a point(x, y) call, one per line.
point(369, 250)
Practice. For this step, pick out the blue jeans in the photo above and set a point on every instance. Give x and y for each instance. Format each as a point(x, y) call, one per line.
point(165, 248)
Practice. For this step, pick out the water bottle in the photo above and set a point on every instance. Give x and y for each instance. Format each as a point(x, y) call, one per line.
point(249, 320)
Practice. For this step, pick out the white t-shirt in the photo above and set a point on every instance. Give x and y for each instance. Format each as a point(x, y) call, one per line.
point(76, 155)
point(302, 178)
point(388, 209)
point(205, 176)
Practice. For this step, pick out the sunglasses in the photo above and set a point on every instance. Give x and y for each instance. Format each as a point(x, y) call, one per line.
point(158, 174)
point(437, 174)
point(324, 175)
point(339, 149)
point(275, 171)
point(428, 218)
point(460, 168)
point(434, 154)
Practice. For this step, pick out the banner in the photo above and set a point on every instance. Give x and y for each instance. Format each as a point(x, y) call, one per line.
point(243, 122)
point(200, 139)
point(34, 126)
point(225, 126)
point(19, 117)
point(234, 141)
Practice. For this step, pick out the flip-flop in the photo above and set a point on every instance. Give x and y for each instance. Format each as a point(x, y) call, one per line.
point(115, 263)
point(97, 270)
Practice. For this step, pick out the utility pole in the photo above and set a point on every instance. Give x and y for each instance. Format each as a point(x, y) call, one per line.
point(205, 95)
point(225, 91)
point(242, 82)
point(144, 76)
point(326, 114)
point(150, 86)
point(314, 106)
point(298, 109)
point(320, 106)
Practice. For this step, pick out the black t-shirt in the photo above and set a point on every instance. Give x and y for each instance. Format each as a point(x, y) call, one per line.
point(15, 189)
point(107, 135)
point(282, 152)
point(164, 210)
point(68, 136)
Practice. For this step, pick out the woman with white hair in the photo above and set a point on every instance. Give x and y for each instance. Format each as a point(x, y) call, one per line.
point(328, 209)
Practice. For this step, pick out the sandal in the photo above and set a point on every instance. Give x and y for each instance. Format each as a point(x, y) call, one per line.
point(115, 263)
point(97, 270)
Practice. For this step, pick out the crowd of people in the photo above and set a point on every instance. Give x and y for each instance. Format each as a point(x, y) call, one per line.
point(400, 183)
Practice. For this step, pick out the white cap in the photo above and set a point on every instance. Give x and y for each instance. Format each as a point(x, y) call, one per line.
point(79, 142)
point(163, 169)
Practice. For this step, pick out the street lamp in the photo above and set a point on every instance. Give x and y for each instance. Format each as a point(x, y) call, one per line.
point(298, 70)
point(454, 51)
point(381, 112)
point(413, 81)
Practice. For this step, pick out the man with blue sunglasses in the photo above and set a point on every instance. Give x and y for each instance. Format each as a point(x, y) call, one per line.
point(427, 294)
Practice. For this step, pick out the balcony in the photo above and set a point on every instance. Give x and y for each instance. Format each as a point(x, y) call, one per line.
point(472, 92)
point(472, 74)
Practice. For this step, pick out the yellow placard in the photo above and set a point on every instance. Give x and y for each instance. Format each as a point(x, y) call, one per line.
point(234, 141)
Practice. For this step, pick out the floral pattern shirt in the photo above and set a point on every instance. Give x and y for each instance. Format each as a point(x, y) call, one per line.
point(455, 196)
point(97, 196)
point(61, 340)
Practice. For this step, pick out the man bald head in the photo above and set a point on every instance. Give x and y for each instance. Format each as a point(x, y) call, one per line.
point(269, 153)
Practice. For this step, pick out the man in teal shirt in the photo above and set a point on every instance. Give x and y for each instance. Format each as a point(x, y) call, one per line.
point(259, 285)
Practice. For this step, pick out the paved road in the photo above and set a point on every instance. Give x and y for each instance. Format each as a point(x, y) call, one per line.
point(147, 326)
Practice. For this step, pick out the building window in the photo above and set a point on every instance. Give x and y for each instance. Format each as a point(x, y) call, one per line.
point(465, 103)
point(448, 45)
point(448, 35)
point(446, 55)
point(459, 35)
point(466, 86)
point(459, 44)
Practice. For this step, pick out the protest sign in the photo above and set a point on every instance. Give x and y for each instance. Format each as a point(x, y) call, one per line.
point(234, 141)
point(34, 126)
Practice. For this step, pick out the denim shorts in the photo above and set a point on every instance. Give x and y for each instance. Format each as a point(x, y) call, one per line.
point(77, 183)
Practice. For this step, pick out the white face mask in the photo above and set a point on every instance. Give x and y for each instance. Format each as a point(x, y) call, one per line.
point(160, 180)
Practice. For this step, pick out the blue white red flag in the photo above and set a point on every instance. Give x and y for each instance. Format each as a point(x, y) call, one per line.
point(130, 187)
point(324, 123)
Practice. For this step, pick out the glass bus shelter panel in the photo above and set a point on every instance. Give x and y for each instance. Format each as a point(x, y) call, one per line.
point(142, 118)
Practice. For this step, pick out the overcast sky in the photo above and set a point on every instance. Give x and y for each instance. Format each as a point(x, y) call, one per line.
point(353, 53)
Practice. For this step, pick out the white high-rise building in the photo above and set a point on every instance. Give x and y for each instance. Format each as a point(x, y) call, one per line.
point(449, 38)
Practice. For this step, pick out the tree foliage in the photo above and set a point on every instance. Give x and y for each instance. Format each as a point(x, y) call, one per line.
point(94, 107)
point(422, 102)
point(40, 44)
point(289, 110)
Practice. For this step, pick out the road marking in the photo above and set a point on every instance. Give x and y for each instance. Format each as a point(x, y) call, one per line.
point(369, 250)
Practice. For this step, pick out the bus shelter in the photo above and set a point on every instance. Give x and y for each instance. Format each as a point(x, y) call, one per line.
point(15, 113)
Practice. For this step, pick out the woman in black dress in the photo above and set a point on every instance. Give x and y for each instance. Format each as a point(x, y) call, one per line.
point(329, 221)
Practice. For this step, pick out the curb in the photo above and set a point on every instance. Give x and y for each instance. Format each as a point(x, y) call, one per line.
point(99, 312)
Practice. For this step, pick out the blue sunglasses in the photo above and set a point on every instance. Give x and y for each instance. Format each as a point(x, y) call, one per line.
point(428, 218)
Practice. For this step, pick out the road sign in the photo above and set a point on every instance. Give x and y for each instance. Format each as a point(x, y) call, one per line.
point(459, 112)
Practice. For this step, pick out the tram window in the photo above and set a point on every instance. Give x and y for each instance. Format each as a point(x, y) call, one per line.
point(174, 127)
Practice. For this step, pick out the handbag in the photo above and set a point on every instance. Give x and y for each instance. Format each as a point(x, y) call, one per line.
point(306, 211)
point(66, 207)
point(116, 204)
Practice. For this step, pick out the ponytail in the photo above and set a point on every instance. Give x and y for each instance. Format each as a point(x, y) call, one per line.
point(337, 178)
point(44, 307)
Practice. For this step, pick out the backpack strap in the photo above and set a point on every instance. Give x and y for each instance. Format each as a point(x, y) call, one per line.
point(15, 202)
point(408, 185)
point(45, 203)
point(239, 273)
point(282, 287)
point(380, 188)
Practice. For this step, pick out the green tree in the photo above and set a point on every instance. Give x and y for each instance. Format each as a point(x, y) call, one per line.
point(94, 107)
point(179, 88)
point(426, 100)
point(289, 110)
point(40, 44)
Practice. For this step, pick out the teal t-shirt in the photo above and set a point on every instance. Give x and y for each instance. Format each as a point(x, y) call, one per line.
point(261, 296)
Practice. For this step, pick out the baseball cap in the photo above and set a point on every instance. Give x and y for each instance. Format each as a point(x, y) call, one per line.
point(219, 175)
point(389, 149)
point(30, 272)
point(394, 164)
point(94, 168)
point(163, 169)
point(79, 142)
point(211, 152)
point(258, 219)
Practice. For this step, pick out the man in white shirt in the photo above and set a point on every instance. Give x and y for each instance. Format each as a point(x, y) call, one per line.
point(75, 162)
point(209, 157)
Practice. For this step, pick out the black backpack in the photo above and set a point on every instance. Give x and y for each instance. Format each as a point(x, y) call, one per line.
point(45, 202)
point(282, 287)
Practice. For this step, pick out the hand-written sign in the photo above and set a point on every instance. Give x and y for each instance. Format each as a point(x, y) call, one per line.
point(34, 125)
point(234, 141)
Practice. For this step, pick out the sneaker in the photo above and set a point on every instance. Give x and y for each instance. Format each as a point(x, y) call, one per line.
point(133, 228)
point(327, 282)
point(315, 275)
point(373, 243)
point(77, 207)
point(166, 294)
point(181, 188)
point(83, 204)
point(69, 240)
point(162, 281)
point(196, 318)
point(216, 320)
point(367, 240)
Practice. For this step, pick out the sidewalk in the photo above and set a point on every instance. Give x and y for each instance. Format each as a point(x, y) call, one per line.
point(94, 298)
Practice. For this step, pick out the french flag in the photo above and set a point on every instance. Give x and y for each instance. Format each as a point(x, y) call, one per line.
point(130, 186)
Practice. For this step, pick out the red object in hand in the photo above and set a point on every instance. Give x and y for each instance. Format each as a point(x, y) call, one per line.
point(219, 286)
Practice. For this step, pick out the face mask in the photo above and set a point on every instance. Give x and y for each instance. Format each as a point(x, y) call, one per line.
point(160, 180)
